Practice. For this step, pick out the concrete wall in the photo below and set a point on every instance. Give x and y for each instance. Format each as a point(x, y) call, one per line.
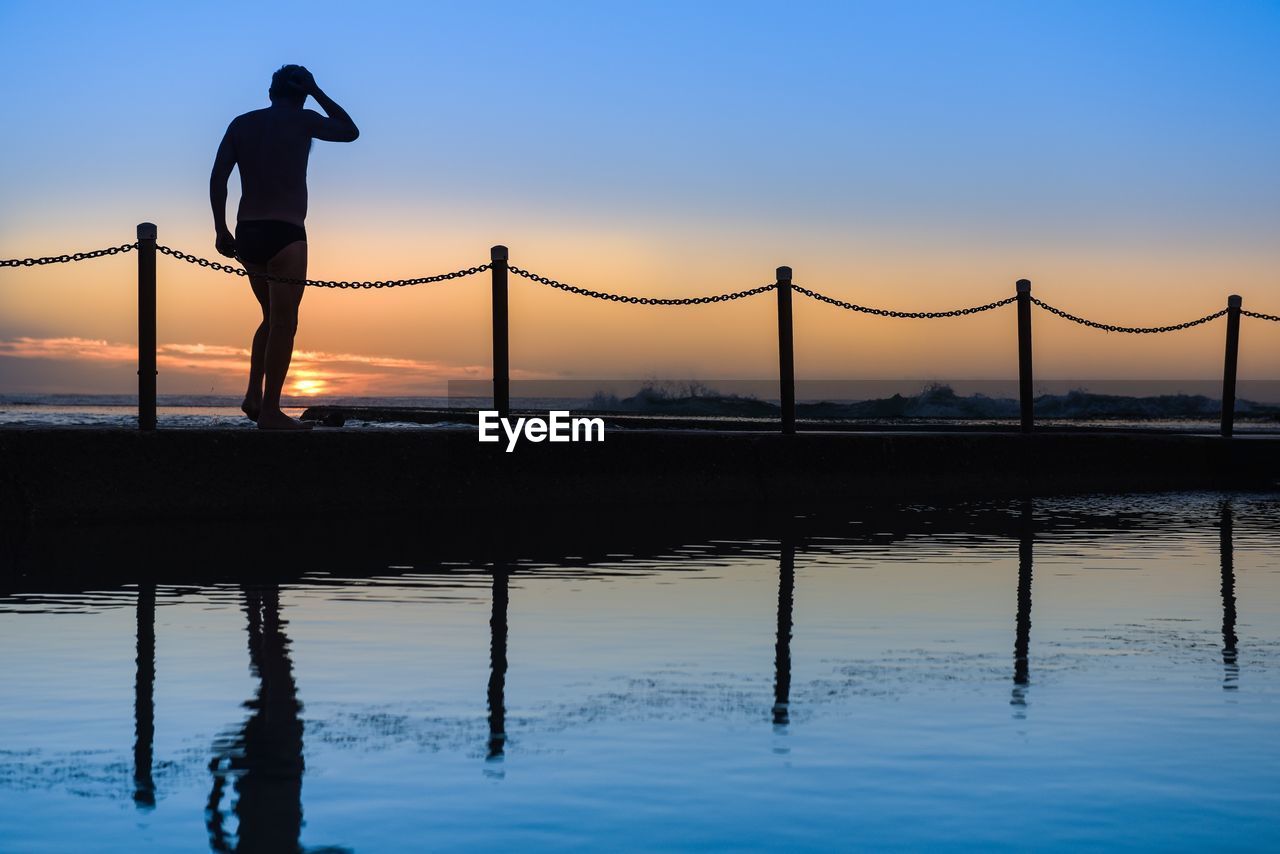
point(86, 473)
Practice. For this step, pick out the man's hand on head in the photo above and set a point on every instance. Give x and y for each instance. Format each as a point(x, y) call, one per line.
point(226, 244)
point(305, 80)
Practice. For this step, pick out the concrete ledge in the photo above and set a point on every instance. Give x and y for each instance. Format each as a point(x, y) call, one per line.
point(102, 474)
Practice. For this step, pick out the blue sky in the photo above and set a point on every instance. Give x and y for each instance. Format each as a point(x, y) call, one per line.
point(1076, 115)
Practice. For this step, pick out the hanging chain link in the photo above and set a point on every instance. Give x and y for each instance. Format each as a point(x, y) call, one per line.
point(623, 298)
point(641, 300)
point(64, 259)
point(1137, 330)
point(316, 283)
point(882, 312)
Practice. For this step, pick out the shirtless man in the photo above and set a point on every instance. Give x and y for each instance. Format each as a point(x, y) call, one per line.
point(271, 147)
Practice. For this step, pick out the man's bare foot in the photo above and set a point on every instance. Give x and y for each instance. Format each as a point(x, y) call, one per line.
point(279, 421)
point(251, 409)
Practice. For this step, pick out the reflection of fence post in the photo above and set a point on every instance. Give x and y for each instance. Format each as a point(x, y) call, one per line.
point(501, 354)
point(1026, 559)
point(1229, 365)
point(1022, 635)
point(1226, 551)
point(497, 697)
point(782, 648)
point(146, 326)
point(1025, 390)
point(144, 703)
point(786, 355)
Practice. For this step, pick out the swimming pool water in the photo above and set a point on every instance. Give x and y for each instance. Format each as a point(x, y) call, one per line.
point(1069, 673)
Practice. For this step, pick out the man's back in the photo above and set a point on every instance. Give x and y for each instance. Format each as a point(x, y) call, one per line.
point(271, 149)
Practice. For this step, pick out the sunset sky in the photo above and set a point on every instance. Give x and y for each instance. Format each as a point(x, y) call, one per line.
point(912, 155)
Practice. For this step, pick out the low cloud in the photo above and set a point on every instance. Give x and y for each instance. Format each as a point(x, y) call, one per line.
point(68, 348)
point(313, 372)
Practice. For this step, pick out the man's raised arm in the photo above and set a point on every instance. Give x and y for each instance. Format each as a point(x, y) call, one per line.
point(223, 163)
point(338, 127)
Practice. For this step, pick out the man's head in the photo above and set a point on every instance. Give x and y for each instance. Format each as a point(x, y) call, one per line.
point(287, 85)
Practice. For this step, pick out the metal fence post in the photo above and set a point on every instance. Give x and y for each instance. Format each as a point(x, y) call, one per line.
point(786, 355)
point(1234, 304)
point(1025, 387)
point(146, 326)
point(501, 353)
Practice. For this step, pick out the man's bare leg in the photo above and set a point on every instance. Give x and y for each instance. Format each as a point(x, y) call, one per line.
point(282, 322)
point(252, 405)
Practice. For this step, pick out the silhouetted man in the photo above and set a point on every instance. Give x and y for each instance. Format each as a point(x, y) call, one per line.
point(271, 147)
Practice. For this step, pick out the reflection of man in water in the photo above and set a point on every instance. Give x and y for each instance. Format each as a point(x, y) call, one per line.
point(265, 755)
point(271, 147)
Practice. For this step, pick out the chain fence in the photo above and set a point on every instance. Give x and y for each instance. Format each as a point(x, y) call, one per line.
point(625, 298)
point(884, 312)
point(543, 280)
point(321, 283)
point(64, 259)
point(1137, 330)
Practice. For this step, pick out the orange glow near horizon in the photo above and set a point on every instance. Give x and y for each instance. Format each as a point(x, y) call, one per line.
point(197, 365)
point(412, 341)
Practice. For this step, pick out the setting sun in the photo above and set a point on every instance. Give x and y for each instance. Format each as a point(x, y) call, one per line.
point(309, 387)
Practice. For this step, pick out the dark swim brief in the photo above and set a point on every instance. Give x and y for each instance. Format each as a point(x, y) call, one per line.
point(258, 240)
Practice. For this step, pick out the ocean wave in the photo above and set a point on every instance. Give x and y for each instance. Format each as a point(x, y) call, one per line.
point(937, 401)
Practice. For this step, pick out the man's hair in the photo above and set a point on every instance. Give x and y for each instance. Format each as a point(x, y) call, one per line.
point(284, 85)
